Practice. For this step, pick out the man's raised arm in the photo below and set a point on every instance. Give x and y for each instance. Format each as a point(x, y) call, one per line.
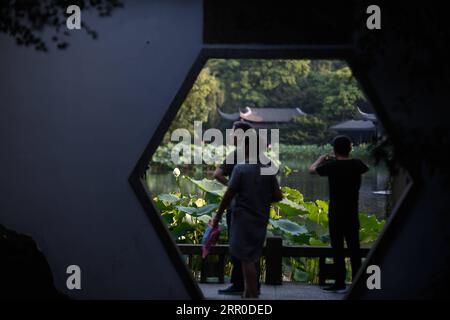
point(318, 162)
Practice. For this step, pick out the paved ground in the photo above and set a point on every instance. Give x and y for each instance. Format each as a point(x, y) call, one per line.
point(287, 291)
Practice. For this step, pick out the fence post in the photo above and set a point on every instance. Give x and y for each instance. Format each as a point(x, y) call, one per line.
point(221, 266)
point(203, 270)
point(274, 246)
point(323, 271)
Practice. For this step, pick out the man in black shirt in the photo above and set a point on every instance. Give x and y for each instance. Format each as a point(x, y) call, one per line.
point(344, 178)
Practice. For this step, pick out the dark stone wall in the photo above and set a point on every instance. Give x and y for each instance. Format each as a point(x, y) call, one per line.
point(407, 72)
point(403, 68)
point(73, 123)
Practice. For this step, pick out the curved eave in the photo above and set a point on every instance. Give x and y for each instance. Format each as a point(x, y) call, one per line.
point(229, 116)
point(367, 116)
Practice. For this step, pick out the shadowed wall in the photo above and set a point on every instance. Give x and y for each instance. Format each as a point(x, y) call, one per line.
point(73, 124)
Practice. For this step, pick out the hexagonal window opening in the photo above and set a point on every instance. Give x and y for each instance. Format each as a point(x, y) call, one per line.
point(309, 101)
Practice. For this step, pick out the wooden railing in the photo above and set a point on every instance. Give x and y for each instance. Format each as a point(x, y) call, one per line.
point(274, 251)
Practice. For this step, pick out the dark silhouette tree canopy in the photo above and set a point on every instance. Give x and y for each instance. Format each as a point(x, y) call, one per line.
point(25, 20)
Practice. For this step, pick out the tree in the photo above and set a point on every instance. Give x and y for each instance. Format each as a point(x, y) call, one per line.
point(305, 130)
point(200, 104)
point(258, 82)
point(24, 20)
point(324, 89)
point(340, 95)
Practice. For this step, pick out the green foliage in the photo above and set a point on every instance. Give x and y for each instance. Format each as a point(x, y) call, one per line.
point(370, 227)
point(208, 186)
point(289, 227)
point(198, 211)
point(259, 82)
point(290, 208)
point(292, 194)
point(318, 212)
point(305, 130)
point(324, 89)
point(312, 152)
point(162, 156)
point(297, 221)
point(340, 95)
point(200, 103)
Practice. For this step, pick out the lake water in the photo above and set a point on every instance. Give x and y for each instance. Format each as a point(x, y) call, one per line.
point(313, 187)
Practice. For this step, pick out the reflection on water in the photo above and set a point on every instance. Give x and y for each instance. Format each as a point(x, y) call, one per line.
point(313, 187)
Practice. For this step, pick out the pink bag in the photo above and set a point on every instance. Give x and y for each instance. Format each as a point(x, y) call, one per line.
point(209, 238)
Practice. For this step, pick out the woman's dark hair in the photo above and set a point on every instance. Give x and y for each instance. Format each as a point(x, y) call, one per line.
point(342, 145)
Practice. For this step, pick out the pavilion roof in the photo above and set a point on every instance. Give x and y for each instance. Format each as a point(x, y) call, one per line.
point(264, 114)
point(354, 125)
